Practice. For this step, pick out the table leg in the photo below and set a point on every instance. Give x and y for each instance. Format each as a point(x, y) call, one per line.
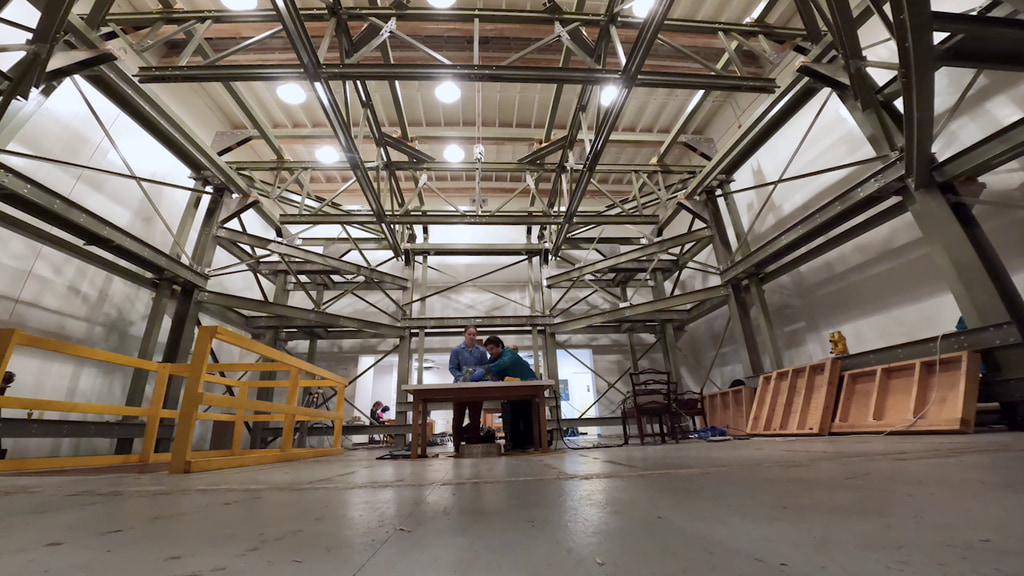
point(536, 426)
point(542, 421)
point(424, 437)
point(414, 448)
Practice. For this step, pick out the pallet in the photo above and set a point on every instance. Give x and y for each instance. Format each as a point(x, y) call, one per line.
point(730, 409)
point(796, 401)
point(889, 398)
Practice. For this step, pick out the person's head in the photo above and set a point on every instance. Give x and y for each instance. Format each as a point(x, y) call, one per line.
point(494, 345)
point(377, 406)
point(8, 379)
point(469, 335)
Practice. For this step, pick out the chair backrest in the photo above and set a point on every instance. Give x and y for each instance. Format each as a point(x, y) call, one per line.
point(651, 391)
point(648, 374)
point(690, 403)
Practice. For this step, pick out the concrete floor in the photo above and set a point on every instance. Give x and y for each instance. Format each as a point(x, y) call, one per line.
point(862, 506)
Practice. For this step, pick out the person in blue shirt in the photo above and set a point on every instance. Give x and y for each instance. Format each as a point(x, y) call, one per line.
point(504, 363)
point(468, 354)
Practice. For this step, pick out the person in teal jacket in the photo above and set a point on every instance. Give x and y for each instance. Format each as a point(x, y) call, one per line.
point(504, 363)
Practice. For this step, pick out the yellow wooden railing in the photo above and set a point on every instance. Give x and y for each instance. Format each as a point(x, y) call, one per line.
point(198, 373)
point(184, 459)
point(12, 338)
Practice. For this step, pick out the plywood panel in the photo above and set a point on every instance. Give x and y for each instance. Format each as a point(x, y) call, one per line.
point(797, 401)
point(730, 409)
point(917, 396)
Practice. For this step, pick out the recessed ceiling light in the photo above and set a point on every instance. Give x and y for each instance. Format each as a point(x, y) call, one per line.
point(291, 93)
point(327, 154)
point(447, 92)
point(642, 7)
point(239, 4)
point(441, 3)
point(454, 153)
point(608, 94)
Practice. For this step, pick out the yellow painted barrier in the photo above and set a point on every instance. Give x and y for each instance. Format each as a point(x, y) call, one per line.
point(184, 459)
point(11, 338)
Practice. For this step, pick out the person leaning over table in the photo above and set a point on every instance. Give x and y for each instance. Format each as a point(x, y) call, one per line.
point(504, 363)
point(468, 354)
point(516, 415)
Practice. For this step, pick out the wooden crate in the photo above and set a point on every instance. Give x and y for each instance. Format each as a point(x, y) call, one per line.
point(796, 401)
point(730, 409)
point(889, 398)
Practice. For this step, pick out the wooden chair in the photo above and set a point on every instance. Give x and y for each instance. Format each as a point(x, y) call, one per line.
point(652, 396)
point(690, 404)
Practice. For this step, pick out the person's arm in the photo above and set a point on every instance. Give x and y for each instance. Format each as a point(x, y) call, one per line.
point(453, 365)
point(503, 363)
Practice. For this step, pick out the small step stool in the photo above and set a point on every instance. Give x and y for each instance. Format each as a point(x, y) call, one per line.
point(480, 450)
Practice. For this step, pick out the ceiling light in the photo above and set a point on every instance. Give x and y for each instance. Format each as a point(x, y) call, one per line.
point(608, 94)
point(441, 3)
point(454, 153)
point(291, 93)
point(327, 154)
point(447, 92)
point(642, 7)
point(239, 4)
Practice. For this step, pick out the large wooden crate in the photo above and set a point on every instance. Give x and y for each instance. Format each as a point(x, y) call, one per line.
point(730, 409)
point(796, 401)
point(911, 396)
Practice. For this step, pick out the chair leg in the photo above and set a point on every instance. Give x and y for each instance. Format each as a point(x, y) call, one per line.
point(640, 428)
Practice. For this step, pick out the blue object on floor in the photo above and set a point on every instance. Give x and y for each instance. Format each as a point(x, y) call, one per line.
point(709, 432)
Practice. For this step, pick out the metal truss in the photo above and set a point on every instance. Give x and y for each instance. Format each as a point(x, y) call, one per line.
point(629, 279)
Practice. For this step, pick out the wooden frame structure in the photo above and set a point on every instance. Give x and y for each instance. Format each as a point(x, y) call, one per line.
point(911, 396)
point(184, 459)
point(796, 401)
point(11, 338)
point(730, 409)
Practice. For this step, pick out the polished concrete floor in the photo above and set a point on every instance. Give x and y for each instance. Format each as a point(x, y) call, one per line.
point(924, 505)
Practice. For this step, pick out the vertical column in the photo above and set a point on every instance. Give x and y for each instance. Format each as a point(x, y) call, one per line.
point(270, 338)
point(634, 361)
point(422, 344)
point(741, 324)
point(147, 350)
point(667, 333)
point(760, 308)
point(404, 359)
point(186, 313)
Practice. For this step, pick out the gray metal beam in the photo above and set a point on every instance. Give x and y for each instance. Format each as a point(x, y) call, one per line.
point(627, 312)
point(322, 318)
point(80, 253)
point(498, 167)
point(33, 198)
point(455, 72)
point(426, 323)
point(454, 219)
point(338, 265)
point(628, 78)
point(871, 191)
point(295, 29)
point(654, 249)
point(405, 13)
point(985, 155)
point(912, 21)
point(154, 115)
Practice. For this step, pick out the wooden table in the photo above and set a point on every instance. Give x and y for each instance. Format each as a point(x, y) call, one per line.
point(424, 394)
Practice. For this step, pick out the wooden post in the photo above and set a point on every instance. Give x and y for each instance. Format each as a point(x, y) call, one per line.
point(181, 452)
point(236, 436)
point(339, 407)
point(156, 402)
point(8, 340)
point(288, 428)
point(415, 448)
